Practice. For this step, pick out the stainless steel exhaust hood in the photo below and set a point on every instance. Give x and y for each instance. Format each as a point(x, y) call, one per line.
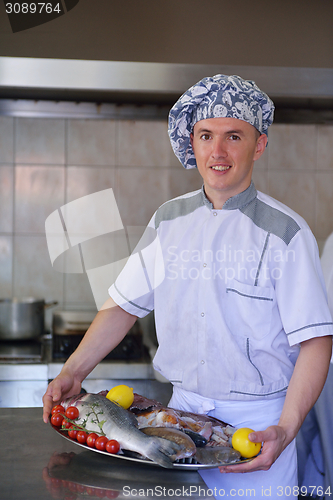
point(153, 83)
point(65, 75)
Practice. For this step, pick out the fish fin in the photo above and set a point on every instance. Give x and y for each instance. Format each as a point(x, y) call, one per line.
point(158, 451)
point(168, 447)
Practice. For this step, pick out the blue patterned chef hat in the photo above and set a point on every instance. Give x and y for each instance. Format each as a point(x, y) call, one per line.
point(220, 96)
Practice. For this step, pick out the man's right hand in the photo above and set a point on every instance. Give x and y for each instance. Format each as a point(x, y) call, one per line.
point(63, 386)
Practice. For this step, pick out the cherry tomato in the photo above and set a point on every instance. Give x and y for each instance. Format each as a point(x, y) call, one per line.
point(100, 443)
point(91, 491)
point(58, 409)
point(80, 488)
point(91, 439)
point(112, 446)
point(65, 424)
point(57, 419)
point(81, 437)
point(56, 482)
point(72, 433)
point(72, 412)
point(99, 493)
point(72, 487)
point(111, 494)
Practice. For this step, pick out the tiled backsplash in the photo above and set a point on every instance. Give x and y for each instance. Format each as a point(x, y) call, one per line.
point(45, 163)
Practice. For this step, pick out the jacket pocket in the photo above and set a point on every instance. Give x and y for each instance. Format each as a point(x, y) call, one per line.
point(251, 390)
point(249, 309)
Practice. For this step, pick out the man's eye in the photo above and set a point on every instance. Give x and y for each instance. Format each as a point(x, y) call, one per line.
point(234, 137)
point(205, 137)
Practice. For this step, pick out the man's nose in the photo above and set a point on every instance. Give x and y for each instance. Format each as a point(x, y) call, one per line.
point(219, 149)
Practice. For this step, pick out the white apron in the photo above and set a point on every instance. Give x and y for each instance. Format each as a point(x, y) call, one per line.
point(280, 481)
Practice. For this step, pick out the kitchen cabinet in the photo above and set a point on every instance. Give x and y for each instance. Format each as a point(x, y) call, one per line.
point(23, 384)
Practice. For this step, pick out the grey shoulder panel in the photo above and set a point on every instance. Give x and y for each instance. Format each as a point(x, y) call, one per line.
point(271, 220)
point(178, 207)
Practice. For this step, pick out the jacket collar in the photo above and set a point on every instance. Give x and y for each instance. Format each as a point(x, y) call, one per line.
point(238, 201)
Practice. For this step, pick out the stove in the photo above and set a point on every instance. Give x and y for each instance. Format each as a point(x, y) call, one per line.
point(130, 348)
point(22, 351)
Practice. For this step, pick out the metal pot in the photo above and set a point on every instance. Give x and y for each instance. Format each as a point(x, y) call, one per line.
point(22, 319)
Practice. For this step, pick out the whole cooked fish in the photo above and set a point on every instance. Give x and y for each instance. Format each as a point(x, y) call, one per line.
point(186, 445)
point(99, 414)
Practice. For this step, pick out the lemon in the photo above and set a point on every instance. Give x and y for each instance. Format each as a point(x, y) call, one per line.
point(121, 394)
point(240, 442)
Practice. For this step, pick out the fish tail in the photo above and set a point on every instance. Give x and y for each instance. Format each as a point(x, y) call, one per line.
point(160, 451)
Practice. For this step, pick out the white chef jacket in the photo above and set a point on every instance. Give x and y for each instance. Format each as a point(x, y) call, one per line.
point(234, 292)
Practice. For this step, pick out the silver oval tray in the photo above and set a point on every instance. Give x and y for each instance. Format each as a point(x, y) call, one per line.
point(189, 463)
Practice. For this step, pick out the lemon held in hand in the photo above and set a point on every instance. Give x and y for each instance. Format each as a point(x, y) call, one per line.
point(121, 394)
point(240, 442)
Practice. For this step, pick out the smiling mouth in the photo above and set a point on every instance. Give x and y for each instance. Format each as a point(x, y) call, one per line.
point(221, 168)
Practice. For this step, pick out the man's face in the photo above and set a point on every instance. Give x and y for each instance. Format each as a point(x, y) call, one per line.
point(225, 149)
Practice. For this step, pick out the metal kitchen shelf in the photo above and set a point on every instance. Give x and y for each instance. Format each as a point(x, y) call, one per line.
point(161, 78)
point(41, 87)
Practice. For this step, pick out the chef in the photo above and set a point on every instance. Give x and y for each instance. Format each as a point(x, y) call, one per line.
point(234, 277)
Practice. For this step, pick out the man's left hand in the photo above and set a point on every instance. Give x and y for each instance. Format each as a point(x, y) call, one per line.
point(274, 441)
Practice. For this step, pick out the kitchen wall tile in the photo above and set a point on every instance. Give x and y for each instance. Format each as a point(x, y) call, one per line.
point(6, 139)
point(40, 141)
point(324, 197)
point(6, 265)
point(139, 192)
point(183, 181)
point(79, 306)
point(321, 243)
point(82, 181)
point(38, 192)
point(6, 198)
point(91, 142)
point(33, 272)
point(171, 158)
point(262, 163)
point(325, 147)
point(78, 292)
point(260, 179)
point(296, 191)
point(144, 144)
point(292, 147)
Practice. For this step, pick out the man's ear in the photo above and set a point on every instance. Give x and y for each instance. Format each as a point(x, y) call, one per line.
point(191, 139)
point(261, 146)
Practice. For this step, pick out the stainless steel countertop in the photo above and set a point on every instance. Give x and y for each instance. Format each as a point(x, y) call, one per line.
point(33, 456)
point(47, 371)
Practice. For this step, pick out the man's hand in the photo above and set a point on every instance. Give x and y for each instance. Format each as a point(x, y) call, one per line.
point(64, 385)
point(274, 441)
